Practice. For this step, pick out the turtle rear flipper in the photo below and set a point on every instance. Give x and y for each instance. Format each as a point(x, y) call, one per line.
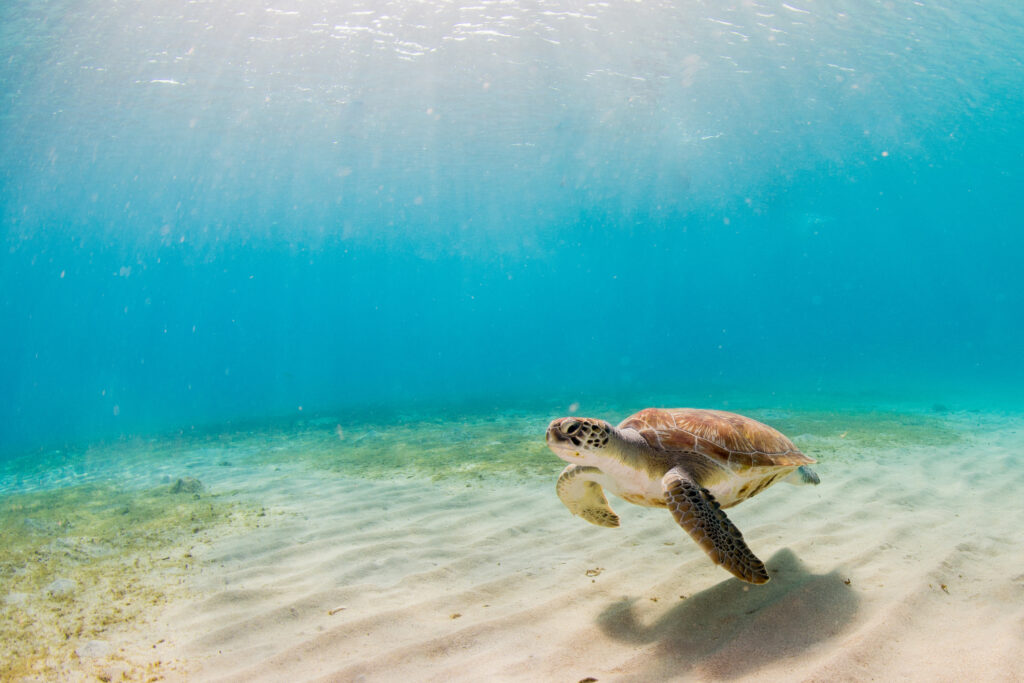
point(584, 497)
point(802, 475)
point(697, 511)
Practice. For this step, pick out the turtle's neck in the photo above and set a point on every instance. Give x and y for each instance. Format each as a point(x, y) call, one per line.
point(630, 446)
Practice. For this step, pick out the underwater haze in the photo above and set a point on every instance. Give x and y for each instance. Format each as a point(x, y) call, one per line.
point(227, 210)
point(290, 291)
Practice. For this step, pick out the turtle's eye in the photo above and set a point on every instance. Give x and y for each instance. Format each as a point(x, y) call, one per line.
point(570, 427)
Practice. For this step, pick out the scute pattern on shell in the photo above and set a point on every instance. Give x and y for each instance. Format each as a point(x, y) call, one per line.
point(731, 439)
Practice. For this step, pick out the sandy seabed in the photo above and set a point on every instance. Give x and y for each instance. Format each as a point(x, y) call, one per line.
point(906, 563)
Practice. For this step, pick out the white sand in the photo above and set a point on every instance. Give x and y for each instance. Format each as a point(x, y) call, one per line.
point(902, 564)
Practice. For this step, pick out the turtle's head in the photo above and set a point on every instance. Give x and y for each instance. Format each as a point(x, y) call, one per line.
point(577, 440)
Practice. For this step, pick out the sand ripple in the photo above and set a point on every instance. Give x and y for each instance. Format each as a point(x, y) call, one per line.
point(905, 564)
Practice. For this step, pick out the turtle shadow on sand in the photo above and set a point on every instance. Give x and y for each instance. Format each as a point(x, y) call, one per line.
point(733, 629)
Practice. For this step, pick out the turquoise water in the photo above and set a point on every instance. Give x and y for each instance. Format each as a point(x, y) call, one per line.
point(230, 211)
point(379, 237)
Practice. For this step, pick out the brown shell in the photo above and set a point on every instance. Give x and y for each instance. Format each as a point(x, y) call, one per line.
point(731, 439)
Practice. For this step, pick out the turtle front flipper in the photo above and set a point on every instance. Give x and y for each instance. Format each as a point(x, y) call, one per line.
point(585, 497)
point(697, 511)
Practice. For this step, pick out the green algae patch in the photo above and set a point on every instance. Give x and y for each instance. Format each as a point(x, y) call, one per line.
point(441, 450)
point(470, 447)
point(841, 434)
point(466, 445)
point(432, 447)
point(78, 564)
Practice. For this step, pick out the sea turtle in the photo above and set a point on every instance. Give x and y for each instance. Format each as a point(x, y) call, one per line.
point(694, 462)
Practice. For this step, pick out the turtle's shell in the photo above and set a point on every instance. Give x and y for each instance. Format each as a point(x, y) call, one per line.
point(733, 440)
